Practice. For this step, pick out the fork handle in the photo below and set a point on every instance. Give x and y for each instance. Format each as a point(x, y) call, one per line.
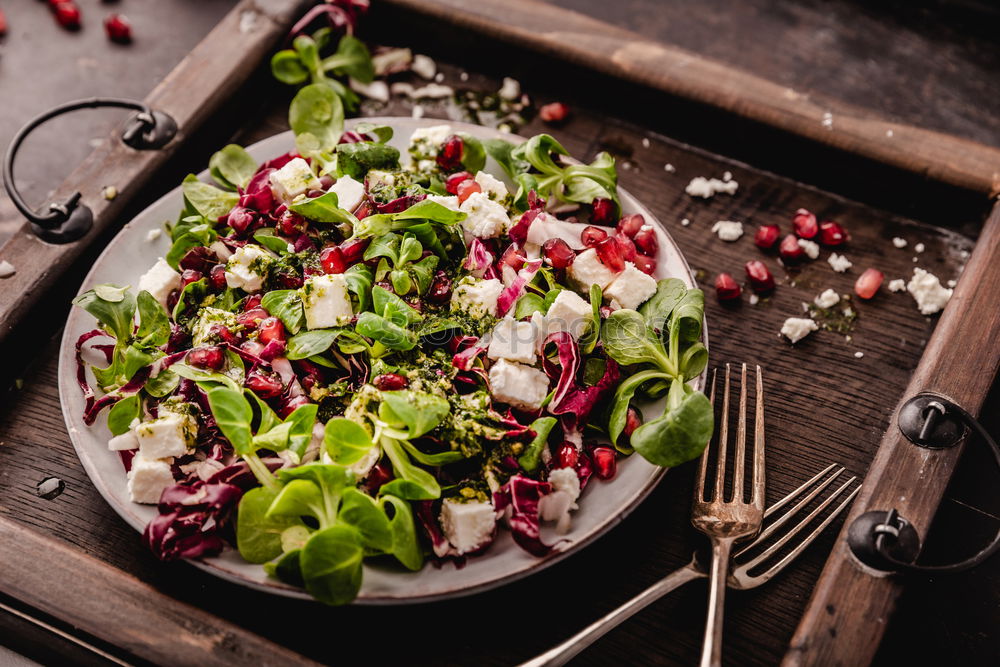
point(711, 648)
point(566, 651)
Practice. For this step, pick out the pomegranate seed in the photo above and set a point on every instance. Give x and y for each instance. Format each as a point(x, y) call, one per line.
point(287, 280)
point(790, 250)
point(449, 157)
point(610, 254)
point(252, 302)
point(210, 357)
point(453, 181)
point(631, 224)
point(291, 224)
point(584, 468)
point(271, 329)
point(466, 188)
point(354, 249)
point(391, 382)
point(568, 455)
point(252, 347)
point(766, 236)
point(644, 263)
point(189, 276)
point(760, 277)
point(555, 112)
point(633, 420)
point(831, 233)
point(241, 219)
point(440, 289)
point(333, 260)
point(591, 236)
point(222, 333)
point(557, 253)
point(288, 407)
point(199, 258)
point(118, 28)
point(326, 181)
point(252, 318)
point(67, 15)
point(217, 276)
point(804, 223)
point(868, 284)
point(626, 246)
point(602, 211)
point(266, 385)
point(646, 241)
point(605, 465)
point(726, 288)
point(178, 340)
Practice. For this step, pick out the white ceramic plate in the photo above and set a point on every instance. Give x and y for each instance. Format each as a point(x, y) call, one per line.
point(602, 505)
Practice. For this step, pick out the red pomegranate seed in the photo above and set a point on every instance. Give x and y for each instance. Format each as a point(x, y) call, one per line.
point(512, 257)
point(449, 157)
point(291, 224)
point(555, 112)
point(453, 181)
point(644, 263)
point(332, 259)
point(584, 468)
point(253, 301)
point(627, 247)
point(591, 236)
point(252, 347)
point(605, 465)
point(831, 233)
point(271, 329)
point(118, 28)
point(726, 288)
point(766, 236)
point(602, 211)
point(567, 456)
point(222, 333)
point(466, 188)
point(557, 253)
point(241, 219)
point(868, 284)
point(67, 15)
point(610, 254)
point(354, 249)
point(631, 224)
point(189, 276)
point(210, 357)
point(790, 250)
point(217, 276)
point(633, 420)
point(646, 241)
point(804, 223)
point(288, 280)
point(265, 385)
point(760, 277)
point(391, 382)
point(440, 289)
point(252, 318)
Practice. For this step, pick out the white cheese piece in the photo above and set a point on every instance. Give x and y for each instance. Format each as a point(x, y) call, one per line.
point(201, 332)
point(484, 218)
point(630, 289)
point(424, 66)
point(491, 186)
point(125, 441)
point(839, 263)
point(7, 269)
point(448, 201)
point(568, 312)
point(469, 525)
point(476, 297)
point(510, 89)
point(708, 187)
point(797, 328)
point(811, 247)
point(167, 436)
point(927, 291)
point(587, 269)
point(858, 355)
point(160, 281)
point(432, 91)
point(326, 301)
point(147, 479)
point(539, 323)
point(897, 285)
point(754, 299)
point(898, 242)
point(349, 192)
point(517, 385)
point(434, 135)
point(556, 506)
point(294, 179)
point(827, 299)
point(376, 90)
point(153, 234)
point(919, 248)
point(512, 340)
point(728, 230)
point(546, 226)
point(247, 267)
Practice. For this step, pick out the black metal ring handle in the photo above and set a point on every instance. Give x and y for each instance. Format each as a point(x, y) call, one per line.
point(69, 220)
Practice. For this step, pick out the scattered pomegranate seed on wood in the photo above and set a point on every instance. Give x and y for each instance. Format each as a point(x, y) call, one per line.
point(832, 234)
point(790, 250)
point(119, 28)
point(726, 288)
point(556, 112)
point(766, 236)
point(760, 277)
point(804, 223)
point(67, 15)
point(868, 283)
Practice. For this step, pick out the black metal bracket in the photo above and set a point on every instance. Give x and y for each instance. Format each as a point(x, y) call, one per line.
point(68, 221)
point(887, 541)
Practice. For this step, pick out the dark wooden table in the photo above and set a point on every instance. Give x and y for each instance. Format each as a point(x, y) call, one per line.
point(825, 404)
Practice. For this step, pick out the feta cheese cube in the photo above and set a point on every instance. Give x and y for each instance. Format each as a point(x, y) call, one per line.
point(568, 312)
point(927, 291)
point(160, 281)
point(247, 268)
point(521, 386)
point(827, 299)
point(169, 435)
point(630, 289)
point(512, 340)
point(349, 192)
point(797, 328)
point(448, 201)
point(485, 218)
point(839, 263)
point(546, 226)
point(556, 506)
point(123, 442)
point(476, 297)
point(326, 301)
point(201, 331)
point(467, 525)
point(811, 247)
point(294, 179)
point(492, 187)
point(728, 230)
point(147, 478)
point(587, 269)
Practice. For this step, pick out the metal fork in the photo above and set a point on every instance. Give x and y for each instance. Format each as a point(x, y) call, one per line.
point(741, 577)
point(725, 522)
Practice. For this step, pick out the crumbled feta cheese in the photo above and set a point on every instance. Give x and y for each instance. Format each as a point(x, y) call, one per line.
point(556, 506)
point(569, 313)
point(797, 328)
point(927, 291)
point(123, 442)
point(247, 268)
point(952, 283)
point(839, 263)
point(919, 248)
point(898, 242)
point(427, 140)
point(518, 385)
point(484, 218)
point(349, 192)
point(709, 187)
point(448, 201)
point(811, 247)
point(476, 297)
point(201, 331)
point(167, 436)
point(424, 66)
point(491, 186)
point(513, 340)
point(439, 77)
point(153, 234)
point(401, 88)
point(432, 91)
point(147, 478)
point(546, 226)
point(160, 281)
point(326, 302)
point(897, 285)
point(828, 120)
point(630, 289)
point(685, 222)
point(464, 76)
point(728, 230)
point(754, 299)
point(827, 299)
point(376, 90)
point(858, 355)
point(510, 90)
point(467, 525)
point(417, 111)
point(727, 176)
point(669, 168)
point(294, 179)
point(587, 269)
point(645, 142)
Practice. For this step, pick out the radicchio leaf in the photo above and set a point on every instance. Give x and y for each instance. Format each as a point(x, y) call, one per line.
point(479, 260)
point(513, 292)
point(520, 497)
